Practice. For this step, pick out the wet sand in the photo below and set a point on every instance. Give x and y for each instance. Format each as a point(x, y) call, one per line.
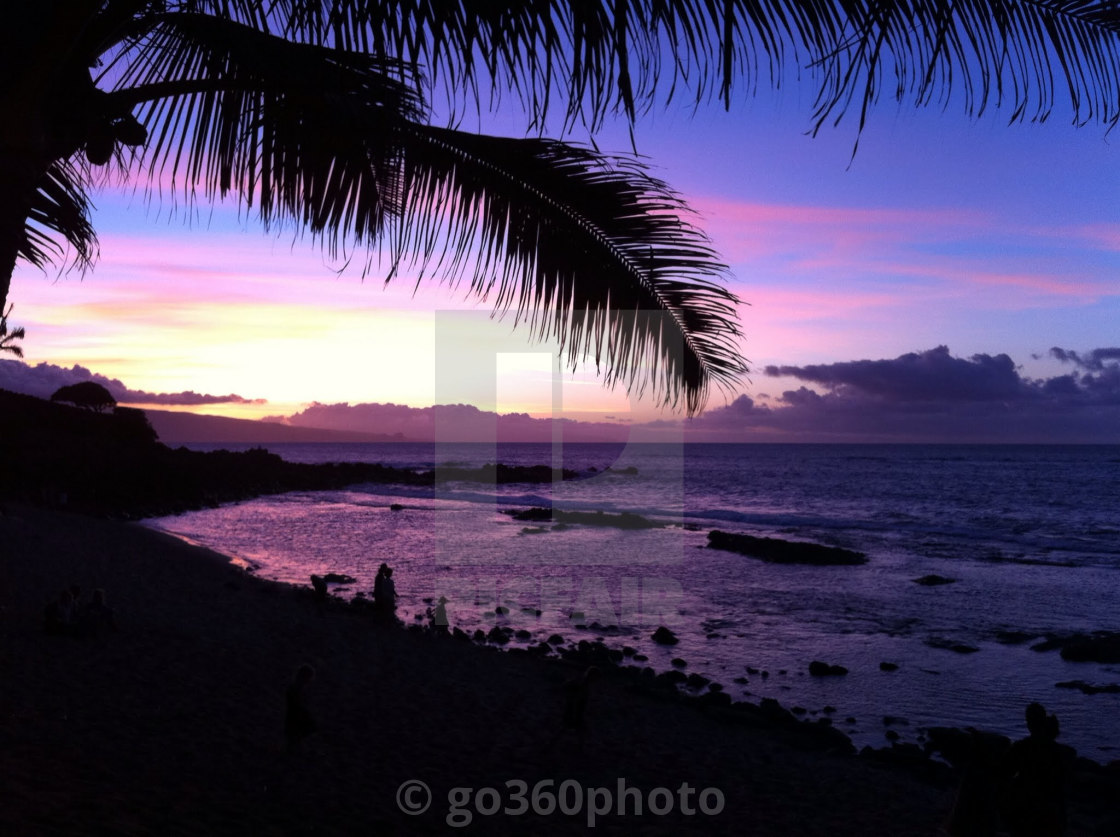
point(173, 724)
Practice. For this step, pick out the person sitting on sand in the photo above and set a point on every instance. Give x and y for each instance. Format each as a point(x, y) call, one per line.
point(298, 721)
point(97, 616)
point(1036, 771)
point(59, 617)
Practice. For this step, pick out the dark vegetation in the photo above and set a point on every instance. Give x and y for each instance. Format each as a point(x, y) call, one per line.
point(112, 464)
point(88, 394)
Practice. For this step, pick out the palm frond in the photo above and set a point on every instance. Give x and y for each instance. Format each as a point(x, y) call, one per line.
point(304, 133)
point(588, 249)
point(7, 346)
point(1023, 55)
point(588, 59)
point(8, 338)
point(58, 226)
point(594, 58)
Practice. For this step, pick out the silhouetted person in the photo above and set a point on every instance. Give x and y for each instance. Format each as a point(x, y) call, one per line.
point(438, 616)
point(976, 812)
point(385, 592)
point(97, 616)
point(298, 721)
point(379, 586)
point(59, 616)
point(576, 693)
point(1036, 771)
point(390, 590)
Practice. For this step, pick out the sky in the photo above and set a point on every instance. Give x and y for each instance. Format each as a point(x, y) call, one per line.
point(956, 279)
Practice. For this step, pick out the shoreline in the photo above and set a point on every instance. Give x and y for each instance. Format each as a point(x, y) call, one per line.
point(173, 723)
point(930, 682)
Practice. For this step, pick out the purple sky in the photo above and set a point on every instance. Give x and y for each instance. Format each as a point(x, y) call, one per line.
point(998, 242)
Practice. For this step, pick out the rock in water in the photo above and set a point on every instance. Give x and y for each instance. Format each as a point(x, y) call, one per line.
point(819, 669)
point(1100, 647)
point(1089, 688)
point(777, 551)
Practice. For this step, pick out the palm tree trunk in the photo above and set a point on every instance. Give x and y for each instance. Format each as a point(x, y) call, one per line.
point(37, 64)
point(18, 178)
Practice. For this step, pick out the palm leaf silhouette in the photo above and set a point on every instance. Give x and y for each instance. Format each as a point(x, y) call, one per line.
point(590, 250)
point(594, 58)
point(58, 223)
point(8, 338)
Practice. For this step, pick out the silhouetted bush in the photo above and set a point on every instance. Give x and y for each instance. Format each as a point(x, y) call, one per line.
point(87, 394)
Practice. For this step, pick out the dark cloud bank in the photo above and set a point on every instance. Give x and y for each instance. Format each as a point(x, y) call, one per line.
point(927, 396)
point(932, 396)
point(44, 379)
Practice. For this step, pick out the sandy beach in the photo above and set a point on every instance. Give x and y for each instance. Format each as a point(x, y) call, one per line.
point(173, 724)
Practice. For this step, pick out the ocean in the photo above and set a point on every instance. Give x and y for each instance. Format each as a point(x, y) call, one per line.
point(1029, 535)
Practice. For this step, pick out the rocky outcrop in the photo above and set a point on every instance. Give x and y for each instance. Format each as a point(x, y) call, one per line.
point(623, 520)
point(1097, 647)
point(778, 551)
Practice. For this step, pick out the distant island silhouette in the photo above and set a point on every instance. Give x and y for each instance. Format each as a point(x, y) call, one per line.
point(196, 428)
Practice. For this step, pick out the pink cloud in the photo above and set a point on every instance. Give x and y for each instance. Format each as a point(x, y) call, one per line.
point(184, 267)
point(1105, 236)
point(751, 230)
point(825, 302)
point(786, 214)
point(850, 258)
point(1059, 287)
